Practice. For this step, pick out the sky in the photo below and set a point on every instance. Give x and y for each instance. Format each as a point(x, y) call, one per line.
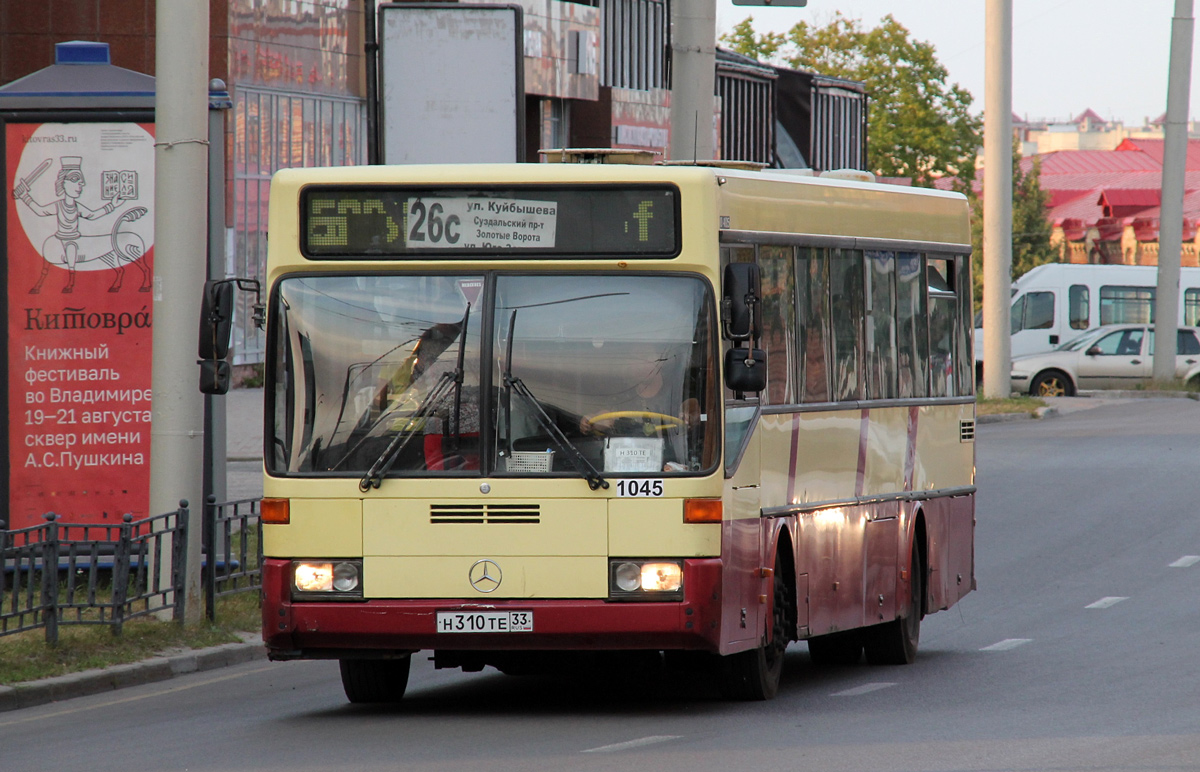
point(1111, 56)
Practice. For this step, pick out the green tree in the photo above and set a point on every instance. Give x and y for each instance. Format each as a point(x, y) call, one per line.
point(1030, 227)
point(919, 126)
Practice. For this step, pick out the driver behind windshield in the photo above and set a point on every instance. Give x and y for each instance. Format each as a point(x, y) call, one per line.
point(644, 413)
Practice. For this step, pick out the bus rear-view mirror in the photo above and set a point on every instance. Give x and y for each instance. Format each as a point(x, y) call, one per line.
point(746, 369)
point(216, 319)
point(740, 302)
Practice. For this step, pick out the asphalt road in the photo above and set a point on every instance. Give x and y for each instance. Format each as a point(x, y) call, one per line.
point(1079, 651)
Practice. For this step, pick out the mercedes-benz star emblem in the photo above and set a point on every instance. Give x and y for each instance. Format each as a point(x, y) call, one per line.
point(485, 575)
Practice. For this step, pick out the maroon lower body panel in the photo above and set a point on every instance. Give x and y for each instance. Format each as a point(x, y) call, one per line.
point(306, 629)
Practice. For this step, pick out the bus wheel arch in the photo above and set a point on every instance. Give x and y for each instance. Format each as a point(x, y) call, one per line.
point(896, 642)
point(756, 674)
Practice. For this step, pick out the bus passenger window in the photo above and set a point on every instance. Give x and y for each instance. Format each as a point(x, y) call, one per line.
point(779, 322)
point(912, 340)
point(942, 311)
point(881, 326)
point(846, 296)
point(813, 277)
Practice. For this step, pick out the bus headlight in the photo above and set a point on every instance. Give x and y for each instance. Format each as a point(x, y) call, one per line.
point(645, 580)
point(327, 579)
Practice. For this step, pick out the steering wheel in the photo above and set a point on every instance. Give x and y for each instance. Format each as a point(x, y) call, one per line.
point(664, 421)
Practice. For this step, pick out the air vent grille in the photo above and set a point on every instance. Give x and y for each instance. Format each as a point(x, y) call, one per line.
point(966, 431)
point(484, 514)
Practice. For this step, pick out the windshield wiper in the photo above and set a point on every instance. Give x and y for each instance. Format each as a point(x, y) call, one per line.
point(516, 385)
point(374, 476)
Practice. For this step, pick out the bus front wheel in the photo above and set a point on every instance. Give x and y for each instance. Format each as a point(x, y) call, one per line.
point(367, 681)
point(755, 674)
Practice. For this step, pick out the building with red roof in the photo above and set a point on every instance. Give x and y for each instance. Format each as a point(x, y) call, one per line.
point(1104, 205)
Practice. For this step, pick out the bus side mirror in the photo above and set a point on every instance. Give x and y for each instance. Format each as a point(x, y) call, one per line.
point(746, 369)
point(740, 302)
point(215, 376)
point(216, 330)
point(216, 319)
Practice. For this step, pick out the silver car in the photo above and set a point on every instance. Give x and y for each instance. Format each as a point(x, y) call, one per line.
point(1116, 356)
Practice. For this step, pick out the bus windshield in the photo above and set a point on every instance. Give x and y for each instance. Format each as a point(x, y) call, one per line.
point(385, 375)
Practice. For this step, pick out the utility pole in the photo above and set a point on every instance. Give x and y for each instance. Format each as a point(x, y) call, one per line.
point(693, 79)
point(180, 262)
point(997, 200)
point(1170, 219)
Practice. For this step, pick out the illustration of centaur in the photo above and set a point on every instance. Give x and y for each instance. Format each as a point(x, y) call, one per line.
point(68, 247)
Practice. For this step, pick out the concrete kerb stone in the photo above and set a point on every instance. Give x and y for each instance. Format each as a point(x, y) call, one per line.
point(88, 682)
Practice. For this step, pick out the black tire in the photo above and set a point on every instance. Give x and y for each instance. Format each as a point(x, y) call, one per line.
point(836, 649)
point(1052, 383)
point(373, 681)
point(755, 674)
point(895, 642)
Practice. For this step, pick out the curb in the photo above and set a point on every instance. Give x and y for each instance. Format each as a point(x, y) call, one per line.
point(1041, 412)
point(27, 695)
point(1140, 394)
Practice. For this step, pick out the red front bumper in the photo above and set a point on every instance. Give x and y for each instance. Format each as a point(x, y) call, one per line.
point(301, 630)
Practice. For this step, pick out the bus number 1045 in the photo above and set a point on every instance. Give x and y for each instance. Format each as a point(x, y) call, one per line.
point(639, 488)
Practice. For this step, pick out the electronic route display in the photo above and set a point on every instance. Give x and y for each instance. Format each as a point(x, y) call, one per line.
point(531, 221)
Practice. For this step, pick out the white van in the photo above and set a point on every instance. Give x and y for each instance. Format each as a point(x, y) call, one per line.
point(1056, 302)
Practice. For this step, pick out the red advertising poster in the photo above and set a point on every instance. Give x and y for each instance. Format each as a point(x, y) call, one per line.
point(80, 249)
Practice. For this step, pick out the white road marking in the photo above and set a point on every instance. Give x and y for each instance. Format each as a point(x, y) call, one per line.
point(1187, 561)
point(1106, 602)
point(864, 689)
point(653, 739)
point(1006, 644)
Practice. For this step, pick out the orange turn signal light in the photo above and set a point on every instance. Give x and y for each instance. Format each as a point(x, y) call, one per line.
point(275, 511)
point(701, 510)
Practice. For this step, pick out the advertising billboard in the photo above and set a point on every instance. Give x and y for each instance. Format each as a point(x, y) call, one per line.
point(79, 242)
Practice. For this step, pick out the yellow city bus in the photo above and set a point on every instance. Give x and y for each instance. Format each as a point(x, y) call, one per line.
point(520, 414)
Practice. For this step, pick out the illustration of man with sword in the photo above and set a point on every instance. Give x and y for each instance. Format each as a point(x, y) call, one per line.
point(68, 210)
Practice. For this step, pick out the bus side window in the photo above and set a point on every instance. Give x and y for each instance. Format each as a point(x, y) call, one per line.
point(1079, 307)
point(777, 267)
point(846, 313)
point(813, 279)
point(912, 332)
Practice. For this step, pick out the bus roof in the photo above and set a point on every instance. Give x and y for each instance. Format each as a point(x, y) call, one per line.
point(739, 201)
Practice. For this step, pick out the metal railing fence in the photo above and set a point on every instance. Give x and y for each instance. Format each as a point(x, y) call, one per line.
point(54, 573)
point(233, 550)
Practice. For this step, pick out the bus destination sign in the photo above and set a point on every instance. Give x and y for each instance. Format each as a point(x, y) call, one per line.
point(563, 221)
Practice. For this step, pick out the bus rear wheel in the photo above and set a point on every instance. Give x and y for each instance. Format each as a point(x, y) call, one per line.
point(895, 642)
point(755, 674)
point(373, 681)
